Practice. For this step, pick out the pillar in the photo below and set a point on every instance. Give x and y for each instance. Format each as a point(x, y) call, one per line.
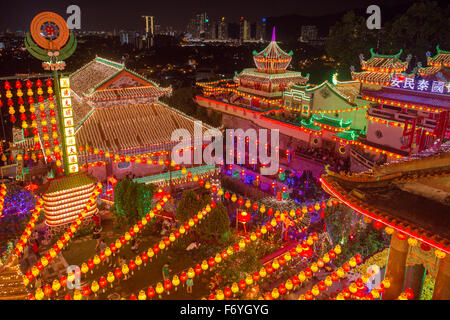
point(414, 279)
point(395, 269)
point(442, 284)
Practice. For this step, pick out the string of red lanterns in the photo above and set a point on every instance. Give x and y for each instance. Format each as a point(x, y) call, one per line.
point(301, 251)
point(142, 258)
point(29, 228)
point(3, 193)
point(65, 238)
point(303, 276)
point(206, 264)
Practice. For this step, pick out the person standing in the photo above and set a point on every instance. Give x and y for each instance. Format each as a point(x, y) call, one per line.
point(165, 271)
point(189, 285)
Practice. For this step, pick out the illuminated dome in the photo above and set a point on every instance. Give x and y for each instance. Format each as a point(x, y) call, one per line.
point(272, 59)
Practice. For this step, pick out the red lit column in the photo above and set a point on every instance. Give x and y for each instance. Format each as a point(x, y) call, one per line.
point(395, 271)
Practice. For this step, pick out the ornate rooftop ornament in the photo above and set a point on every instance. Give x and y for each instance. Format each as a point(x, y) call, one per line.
point(272, 59)
point(49, 40)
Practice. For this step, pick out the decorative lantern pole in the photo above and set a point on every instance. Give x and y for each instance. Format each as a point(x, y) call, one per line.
point(50, 41)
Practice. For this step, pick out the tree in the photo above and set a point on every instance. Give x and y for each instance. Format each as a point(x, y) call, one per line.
point(423, 26)
point(190, 204)
point(348, 38)
point(132, 200)
point(217, 224)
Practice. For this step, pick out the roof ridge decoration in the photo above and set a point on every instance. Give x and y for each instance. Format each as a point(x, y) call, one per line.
point(272, 59)
point(333, 89)
point(92, 90)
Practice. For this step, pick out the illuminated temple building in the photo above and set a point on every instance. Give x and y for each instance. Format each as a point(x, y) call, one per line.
point(363, 119)
point(419, 100)
point(270, 76)
point(412, 198)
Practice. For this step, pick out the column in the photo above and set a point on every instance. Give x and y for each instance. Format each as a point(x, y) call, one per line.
point(442, 284)
point(396, 266)
point(414, 279)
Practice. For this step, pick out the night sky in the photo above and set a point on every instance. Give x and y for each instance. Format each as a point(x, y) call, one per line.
point(125, 14)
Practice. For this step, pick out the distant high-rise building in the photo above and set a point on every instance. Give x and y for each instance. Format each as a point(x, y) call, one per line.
point(210, 30)
point(261, 29)
point(149, 35)
point(222, 29)
point(308, 33)
point(244, 31)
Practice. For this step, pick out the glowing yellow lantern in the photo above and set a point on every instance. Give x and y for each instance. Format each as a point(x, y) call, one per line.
point(191, 273)
point(262, 272)
point(230, 251)
point(275, 293)
point(389, 230)
point(234, 288)
point(204, 265)
point(262, 209)
point(315, 290)
point(110, 278)
point(118, 244)
point(352, 262)
point(127, 236)
point(220, 192)
point(175, 281)
point(218, 258)
point(142, 295)
point(301, 276)
point(84, 268)
point(161, 245)
point(413, 242)
point(386, 283)
point(253, 236)
point(220, 295)
point(249, 280)
point(138, 261)
point(77, 295)
point(275, 264)
point(289, 285)
point(337, 249)
point(56, 285)
point(263, 230)
point(150, 253)
point(310, 241)
point(207, 185)
point(159, 288)
point(95, 287)
point(340, 272)
point(182, 230)
point(328, 281)
point(233, 198)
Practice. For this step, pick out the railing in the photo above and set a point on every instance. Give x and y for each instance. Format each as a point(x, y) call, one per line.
point(175, 174)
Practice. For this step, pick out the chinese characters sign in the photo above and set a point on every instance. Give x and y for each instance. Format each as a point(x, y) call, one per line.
point(69, 131)
point(421, 85)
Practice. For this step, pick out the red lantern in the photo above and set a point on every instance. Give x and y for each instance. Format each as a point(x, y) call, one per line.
point(198, 269)
point(67, 297)
point(322, 286)
point(118, 273)
point(227, 292)
point(346, 267)
point(270, 212)
point(282, 289)
point(211, 262)
point(269, 268)
point(133, 297)
point(183, 277)
point(256, 276)
point(167, 284)
point(242, 284)
point(86, 291)
point(132, 265)
point(150, 292)
point(308, 272)
point(295, 280)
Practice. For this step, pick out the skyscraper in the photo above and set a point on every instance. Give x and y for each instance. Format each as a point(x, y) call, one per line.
point(222, 29)
point(261, 29)
point(244, 32)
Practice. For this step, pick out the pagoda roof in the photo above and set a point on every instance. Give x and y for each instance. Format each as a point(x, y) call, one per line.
point(127, 93)
point(338, 123)
point(351, 135)
point(272, 59)
point(132, 126)
point(381, 78)
point(68, 182)
point(410, 196)
point(411, 97)
point(252, 74)
point(442, 58)
point(383, 63)
point(310, 125)
point(93, 73)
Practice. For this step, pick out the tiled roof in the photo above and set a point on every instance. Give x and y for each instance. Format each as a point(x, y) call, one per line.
point(131, 126)
point(386, 198)
point(408, 96)
point(287, 76)
point(69, 182)
point(441, 58)
point(126, 93)
point(387, 62)
point(92, 74)
point(370, 76)
point(339, 123)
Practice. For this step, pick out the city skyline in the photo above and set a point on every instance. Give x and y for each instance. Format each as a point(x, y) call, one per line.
point(117, 16)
